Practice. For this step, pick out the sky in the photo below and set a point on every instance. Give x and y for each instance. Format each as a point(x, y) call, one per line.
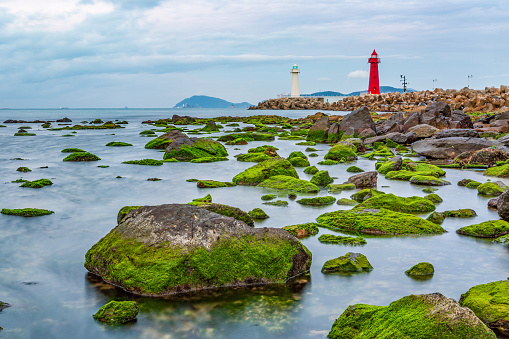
point(154, 53)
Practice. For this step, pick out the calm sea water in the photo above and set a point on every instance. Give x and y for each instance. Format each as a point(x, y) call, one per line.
point(41, 267)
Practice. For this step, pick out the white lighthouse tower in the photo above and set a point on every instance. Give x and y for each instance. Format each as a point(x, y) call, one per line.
point(295, 82)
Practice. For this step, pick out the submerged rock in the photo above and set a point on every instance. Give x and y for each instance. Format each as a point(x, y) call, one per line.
point(258, 173)
point(398, 204)
point(414, 316)
point(284, 182)
point(302, 230)
point(321, 178)
point(258, 214)
point(187, 149)
point(168, 249)
point(421, 269)
point(350, 262)
point(117, 312)
point(486, 229)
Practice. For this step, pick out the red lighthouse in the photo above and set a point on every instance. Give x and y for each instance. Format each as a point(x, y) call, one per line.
point(374, 87)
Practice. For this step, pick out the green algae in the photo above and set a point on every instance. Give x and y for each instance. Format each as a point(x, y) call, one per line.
point(310, 170)
point(124, 211)
point(434, 198)
point(148, 132)
point(341, 153)
point(208, 159)
point(429, 190)
point(268, 197)
point(306, 143)
point(365, 194)
point(428, 180)
point(498, 171)
point(413, 169)
point(118, 144)
point(316, 135)
point(473, 184)
point(350, 262)
point(377, 222)
point(201, 148)
point(37, 183)
point(23, 169)
point(200, 201)
point(238, 141)
point(247, 137)
point(502, 240)
point(436, 218)
point(490, 189)
point(252, 157)
point(145, 162)
point(213, 184)
point(117, 312)
point(313, 155)
point(258, 214)
point(302, 230)
point(276, 203)
point(338, 188)
point(339, 239)
point(321, 178)
point(26, 212)
point(328, 162)
point(346, 202)
point(226, 210)
point(398, 204)
point(421, 269)
point(284, 182)
point(81, 156)
point(103, 166)
point(299, 162)
point(71, 150)
point(269, 168)
point(354, 169)
point(158, 143)
point(461, 213)
point(317, 201)
point(382, 151)
point(486, 229)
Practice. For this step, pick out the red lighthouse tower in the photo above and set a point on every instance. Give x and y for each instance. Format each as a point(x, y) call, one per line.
point(374, 86)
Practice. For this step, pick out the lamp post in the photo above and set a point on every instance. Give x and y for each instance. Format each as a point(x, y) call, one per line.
point(403, 81)
point(434, 80)
point(469, 77)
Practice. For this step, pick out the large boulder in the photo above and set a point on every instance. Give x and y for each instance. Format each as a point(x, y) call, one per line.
point(503, 205)
point(449, 148)
point(174, 248)
point(460, 132)
point(162, 141)
point(362, 180)
point(264, 170)
point(460, 119)
point(187, 149)
point(414, 316)
point(318, 132)
point(424, 131)
point(437, 115)
point(359, 122)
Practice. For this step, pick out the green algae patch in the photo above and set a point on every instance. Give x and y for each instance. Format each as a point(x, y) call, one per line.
point(312, 155)
point(461, 213)
point(486, 229)
point(346, 202)
point(434, 198)
point(429, 190)
point(117, 312)
point(23, 169)
point(490, 189)
point(354, 169)
point(365, 194)
point(258, 214)
point(26, 212)
point(147, 132)
point(71, 150)
point(302, 230)
point(398, 204)
point(321, 178)
point(306, 143)
point(299, 162)
point(317, 201)
point(421, 269)
point(213, 184)
point(473, 184)
point(284, 182)
point(310, 170)
point(226, 210)
point(200, 201)
point(428, 180)
point(24, 134)
point(40, 183)
point(413, 169)
point(145, 162)
point(490, 302)
point(415, 316)
point(266, 169)
point(208, 159)
point(118, 144)
point(350, 262)
point(158, 143)
point(498, 171)
point(198, 148)
point(247, 137)
point(341, 153)
point(328, 162)
point(502, 240)
point(268, 197)
point(252, 157)
point(339, 239)
point(276, 203)
point(436, 218)
point(125, 211)
point(170, 160)
point(338, 188)
point(377, 222)
point(81, 156)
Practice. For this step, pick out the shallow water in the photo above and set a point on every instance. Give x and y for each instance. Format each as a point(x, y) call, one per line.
point(43, 278)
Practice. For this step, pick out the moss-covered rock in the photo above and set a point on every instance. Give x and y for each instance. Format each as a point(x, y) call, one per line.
point(434, 198)
point(381, 151)
point(306, 143)
point(350, 262)
point(167, 249)
point(490, 189)
point(490, 302)
point(429, 190)
point(321, 178)
point(208, 159)
point(81, 156)
point(227, 211)
point(502, 240)
point(365, 194)
point(302, 230)
point(145, 162)
point(341, 153)
point(464, 182)
point(428, 180)
point(421, 269)
point(124, 211)
point(414, 316)
point(187, 149)
point(486, 229)
point(252, 157)
point(317, 201)
point(26, 212)
point(118, 144)
point(473, 184)
point(247, 136)
point(258, 214)
point(310, 170)
point(238, 141)
point(117, 312)
point(213, 184)
point(268, 197)
point(461, 213)
point(328, 162)
point(277, 203)
point(338, 188)
point(498, 171)
point(40, 183)
point(339, 239)
point(210, 126)
point(346, 202)
point(377, 222)
point(264, 170)
point(158, 143)
point(71, 150)
point(398, 204)
point(313, 155)
point(284, 182)
point(413, 169)
point(354, 169)
point(23, 169)
point(201, 201)
point(299, 162)
point(436, 218)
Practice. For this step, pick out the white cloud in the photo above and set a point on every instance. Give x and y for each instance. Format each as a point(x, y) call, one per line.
point(359, 74)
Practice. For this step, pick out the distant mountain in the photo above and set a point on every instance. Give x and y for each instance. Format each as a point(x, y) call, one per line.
point(203, 101)
point(383, 89)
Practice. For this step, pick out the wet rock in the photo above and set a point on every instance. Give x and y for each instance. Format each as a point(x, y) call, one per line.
point(362, 180)
point(449, 148)
point(461, 132)
point(350, 262)
point(493, 203)
point(397, 137)
point(318, 132)
point(258, 173)
point(358, 122)
point(503, 205)
point(424, 131)
point(187, 149)
point(421, 269)
point(117, 312)
point(486, 229)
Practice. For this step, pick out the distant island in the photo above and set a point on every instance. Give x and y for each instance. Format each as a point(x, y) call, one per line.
point(383, 89)
point(203, 101)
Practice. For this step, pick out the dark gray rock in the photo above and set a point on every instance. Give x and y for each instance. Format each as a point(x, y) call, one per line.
point(400, 138)
point(173, 135)
point(460, 119)
point(460, 132)
point(359, 122)
point(437, 114)
point(424, 130)
point(363, 180)
point(321, 124)
point(449, 148)
point(493, 203)
point(411, 121)
point(398, 163)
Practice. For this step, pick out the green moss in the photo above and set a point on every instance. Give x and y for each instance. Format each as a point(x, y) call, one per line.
point(502, 240)
point(146, 162)
point(147, 132)
point(71, 150)
point(170, 160)
point(415, 169)
point(118, 144)
point(498, 171)
point(23, 169)
point(213, 184)
point(487, 229)
point(276, 203)
point(434, 198)
point(23, 134)
point(382, 151)
point(398, 204)
point(81, 156)
point(339, 239)
point(252, 157)
point(429, 189)
point(201, 148)
point(310, 170)
point(473, 184)
point(302, 230)
point(317, 201)
point(226, 210)
point(37, 183)
point(411, 317)
point(354, 169)
point(208, 159)
point(261, 149)
point(247, 137)
point(461, 213)
point(269, 197)
point(428, 180)
point(26, 212)
point(346, 202)
point(490, 189)
point(379, 222)
point(299, 162)
point(310, 149)
point(350, 262)
point(317, 135)
point(284, 182)
point(490, 303)
point(258, 214)
point(124, 211)
point(321, 178)
point(338, 188)
point(264, 170)
point(365, 194)
point(313, 155)
point(200, 201)
point(154, 179)
point(341, 153)
point(158, 143)
point(436, 218)
point(306, 143)
point(385, 167)
point(420, 269)
point(117, 312)
point(329, 162)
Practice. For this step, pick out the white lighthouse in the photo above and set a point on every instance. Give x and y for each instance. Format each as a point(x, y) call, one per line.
point(295, 82)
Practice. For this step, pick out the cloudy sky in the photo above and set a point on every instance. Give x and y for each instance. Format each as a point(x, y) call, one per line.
point(154, 53)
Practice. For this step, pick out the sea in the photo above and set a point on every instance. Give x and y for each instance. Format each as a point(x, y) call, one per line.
point(51, 294)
